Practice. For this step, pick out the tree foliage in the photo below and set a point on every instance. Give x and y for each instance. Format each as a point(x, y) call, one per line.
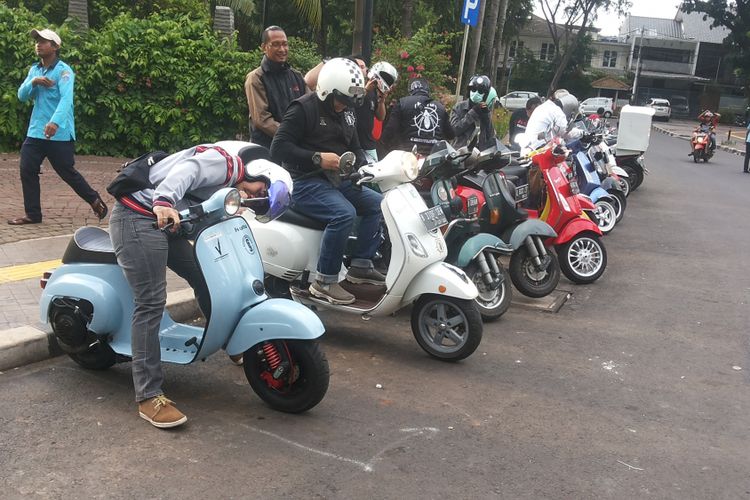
point(733, 15)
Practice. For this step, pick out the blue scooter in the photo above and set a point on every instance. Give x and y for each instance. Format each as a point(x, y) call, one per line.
point(590, 184)
point(89, 304)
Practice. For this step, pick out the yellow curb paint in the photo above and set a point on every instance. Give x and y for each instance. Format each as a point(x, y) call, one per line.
point(26, 271)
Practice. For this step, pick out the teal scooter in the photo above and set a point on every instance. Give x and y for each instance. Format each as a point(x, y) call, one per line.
point(89, 305)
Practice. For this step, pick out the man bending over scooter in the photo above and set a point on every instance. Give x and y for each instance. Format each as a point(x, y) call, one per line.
point(144, 252)
point(316, 130)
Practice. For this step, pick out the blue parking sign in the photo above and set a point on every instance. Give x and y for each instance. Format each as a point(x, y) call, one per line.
point(470, 12)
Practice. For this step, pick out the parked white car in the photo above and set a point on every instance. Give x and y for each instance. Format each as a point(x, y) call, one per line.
point(516, 99)
point(592, 104)
point(662, 108)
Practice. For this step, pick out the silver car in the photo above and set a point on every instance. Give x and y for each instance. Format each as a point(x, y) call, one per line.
point(516, 99)
point(662, 108)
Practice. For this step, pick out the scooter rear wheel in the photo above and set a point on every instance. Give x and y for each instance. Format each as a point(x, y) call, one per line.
point(528, 279)
point(447, 328)
point(304, 382)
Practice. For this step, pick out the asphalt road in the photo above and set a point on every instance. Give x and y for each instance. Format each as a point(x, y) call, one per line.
point(630, 391)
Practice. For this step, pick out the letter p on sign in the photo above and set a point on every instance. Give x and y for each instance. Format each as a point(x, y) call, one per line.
point(470, 12)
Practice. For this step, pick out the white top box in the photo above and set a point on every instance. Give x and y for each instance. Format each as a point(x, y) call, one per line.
point(634, 129)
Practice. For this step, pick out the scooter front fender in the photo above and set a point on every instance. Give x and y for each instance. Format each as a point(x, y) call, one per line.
point(441, 274)
point(599, 194)
point(575, 227)
point(99, 292)
point(274, 319)
point(609, 183)
point(534, 227)
point(471, 248)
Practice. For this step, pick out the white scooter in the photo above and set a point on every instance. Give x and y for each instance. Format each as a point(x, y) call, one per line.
point(445, 320)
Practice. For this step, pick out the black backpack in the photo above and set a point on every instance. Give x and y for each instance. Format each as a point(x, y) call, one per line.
point(134, 175)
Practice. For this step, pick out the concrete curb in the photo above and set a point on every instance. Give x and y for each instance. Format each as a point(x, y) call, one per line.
point(27, 344)
point(728, 149)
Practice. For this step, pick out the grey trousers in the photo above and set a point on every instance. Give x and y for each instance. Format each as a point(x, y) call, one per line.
point(144, 253)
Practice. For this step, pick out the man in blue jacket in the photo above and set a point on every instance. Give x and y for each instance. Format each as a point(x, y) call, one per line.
point(51, 132)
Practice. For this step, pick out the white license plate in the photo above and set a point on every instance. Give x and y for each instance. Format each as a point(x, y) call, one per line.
point(433, 218)
point(574, 187)
point(522, 192)
point(472, 205)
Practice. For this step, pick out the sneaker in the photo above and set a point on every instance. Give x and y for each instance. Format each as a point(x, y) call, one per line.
point(332, 292)
point(100, 208)
point(360, 275)
point(161, 412)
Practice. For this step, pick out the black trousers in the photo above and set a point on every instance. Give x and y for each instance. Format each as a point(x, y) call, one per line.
point(61, 155)
point(747, 155)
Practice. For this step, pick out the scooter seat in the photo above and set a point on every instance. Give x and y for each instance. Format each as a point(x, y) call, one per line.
point(297, 219)
point(522, 173)
point(90, 245)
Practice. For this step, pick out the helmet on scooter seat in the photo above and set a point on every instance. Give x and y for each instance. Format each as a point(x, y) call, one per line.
point(385, 74)
point(342, 79)
point(479, 88)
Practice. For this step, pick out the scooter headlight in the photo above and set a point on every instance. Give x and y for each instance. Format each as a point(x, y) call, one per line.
point(410, 165)
point(232, 202)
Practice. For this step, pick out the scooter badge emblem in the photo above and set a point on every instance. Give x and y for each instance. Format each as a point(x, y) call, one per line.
point(248, 244)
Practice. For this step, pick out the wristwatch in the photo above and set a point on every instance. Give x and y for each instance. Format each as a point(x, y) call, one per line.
point(316, 159)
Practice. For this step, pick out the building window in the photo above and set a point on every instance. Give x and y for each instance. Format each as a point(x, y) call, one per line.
point(516, 46)
point(610, 59)
point(548, 52)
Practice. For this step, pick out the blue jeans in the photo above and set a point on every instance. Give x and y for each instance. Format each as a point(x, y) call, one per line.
point(144, 253)
point(337, 208)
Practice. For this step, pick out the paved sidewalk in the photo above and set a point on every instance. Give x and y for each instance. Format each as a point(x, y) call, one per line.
point(729, 138)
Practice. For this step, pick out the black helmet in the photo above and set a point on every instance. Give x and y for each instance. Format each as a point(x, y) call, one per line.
point(480, 84)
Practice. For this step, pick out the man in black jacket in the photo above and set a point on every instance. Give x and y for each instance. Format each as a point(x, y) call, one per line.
point(271, 86)
point(418, 120)
point(475, 111)
point(316, 130)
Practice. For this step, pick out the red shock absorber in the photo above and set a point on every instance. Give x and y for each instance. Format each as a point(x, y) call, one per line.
point(272, 355)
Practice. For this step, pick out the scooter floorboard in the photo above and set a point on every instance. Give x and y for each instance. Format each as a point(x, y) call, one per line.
point(368, 296)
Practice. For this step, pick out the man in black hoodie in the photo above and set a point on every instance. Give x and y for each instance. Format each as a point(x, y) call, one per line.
point(271, 86)
point(418, 120)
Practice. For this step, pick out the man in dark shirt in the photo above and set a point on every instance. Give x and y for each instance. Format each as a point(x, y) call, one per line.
point(316, 130)
point(418, 120)
point(271, 86)
point(520, 118)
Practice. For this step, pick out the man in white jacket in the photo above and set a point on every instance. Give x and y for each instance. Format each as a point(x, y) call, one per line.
point(144, 252)
point(551, 119)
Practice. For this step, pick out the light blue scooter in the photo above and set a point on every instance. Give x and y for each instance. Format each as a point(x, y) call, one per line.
point(89, 304)
point(590, 184)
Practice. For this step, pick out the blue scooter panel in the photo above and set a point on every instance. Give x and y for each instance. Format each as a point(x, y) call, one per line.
point(274, 319)
point(229, 259)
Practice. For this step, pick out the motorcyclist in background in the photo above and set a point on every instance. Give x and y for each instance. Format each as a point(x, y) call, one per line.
point(476, 110)
point(708, 122)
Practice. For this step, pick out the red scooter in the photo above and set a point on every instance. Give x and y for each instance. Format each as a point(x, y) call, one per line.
point(580, 251)
point(700, 143)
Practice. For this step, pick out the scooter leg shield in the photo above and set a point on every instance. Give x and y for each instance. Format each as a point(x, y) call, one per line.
point(274, 319)
point(441, 278)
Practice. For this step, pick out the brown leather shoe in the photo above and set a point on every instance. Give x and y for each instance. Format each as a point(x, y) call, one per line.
point(161, 412)
point(99, 208)
point(19, 221)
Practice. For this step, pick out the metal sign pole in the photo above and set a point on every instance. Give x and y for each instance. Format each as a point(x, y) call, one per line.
point(461, 66)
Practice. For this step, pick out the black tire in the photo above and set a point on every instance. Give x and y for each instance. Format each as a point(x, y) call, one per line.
point(625, 185)
point(695, 158)
point(620, 202)
point(606, 215)
point(583, 259)
point(310, 375)
point(527, 279)
point(635, 176)
point(491, 303)
point(99, 357)
point(426, 326)
point(607, 114)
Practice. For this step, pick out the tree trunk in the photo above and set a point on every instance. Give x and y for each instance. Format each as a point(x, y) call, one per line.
point(496, 52)
point(79, 10)
point(407, 14)
point(476, 42)
point(489, 35)
point(502, 87)
point(323, 33)
point(562, 63)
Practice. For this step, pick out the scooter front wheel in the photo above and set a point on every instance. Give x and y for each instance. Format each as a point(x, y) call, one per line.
point(447, 328)
point(583, 259)
point(620, 203)
point(606, 215)
point(528, 278)
point(491, 303)
point(288, 375)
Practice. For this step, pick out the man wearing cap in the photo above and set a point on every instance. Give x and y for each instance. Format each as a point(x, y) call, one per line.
point(418, 120)
point(144, 252)
point(51, 132)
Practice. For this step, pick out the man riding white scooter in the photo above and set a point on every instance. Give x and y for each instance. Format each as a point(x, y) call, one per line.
point(316, 130)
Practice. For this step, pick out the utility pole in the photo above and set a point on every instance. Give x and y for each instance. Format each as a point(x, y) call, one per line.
point(637, 69)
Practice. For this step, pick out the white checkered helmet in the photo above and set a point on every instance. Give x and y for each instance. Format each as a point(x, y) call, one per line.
point(343, 79)
point(385, 74)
